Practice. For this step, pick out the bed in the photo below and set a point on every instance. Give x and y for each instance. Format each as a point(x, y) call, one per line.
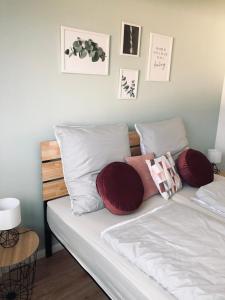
point(81, 235)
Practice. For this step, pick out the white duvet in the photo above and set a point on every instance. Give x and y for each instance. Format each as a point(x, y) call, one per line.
point(179, 247)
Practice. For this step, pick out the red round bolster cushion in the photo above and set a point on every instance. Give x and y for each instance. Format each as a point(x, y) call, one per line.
point(120, 188)
point(195, 168)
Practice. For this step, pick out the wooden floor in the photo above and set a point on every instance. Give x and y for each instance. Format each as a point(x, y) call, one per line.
point(61, 277)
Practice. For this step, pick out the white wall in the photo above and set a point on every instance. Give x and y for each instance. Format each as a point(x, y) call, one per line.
point(220, 137)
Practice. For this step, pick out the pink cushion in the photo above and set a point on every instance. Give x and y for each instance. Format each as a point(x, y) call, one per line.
point(195, 168)
point(139, 164)
point(120, 188)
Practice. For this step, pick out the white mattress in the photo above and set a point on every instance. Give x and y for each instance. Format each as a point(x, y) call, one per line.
point(81, 235)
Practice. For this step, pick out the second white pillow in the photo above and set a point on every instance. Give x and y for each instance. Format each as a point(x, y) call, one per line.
point(162, 137)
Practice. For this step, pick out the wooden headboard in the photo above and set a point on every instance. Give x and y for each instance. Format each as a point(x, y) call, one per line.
point(53, 185)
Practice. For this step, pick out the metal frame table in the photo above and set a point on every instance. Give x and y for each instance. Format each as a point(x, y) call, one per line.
point(17, 267)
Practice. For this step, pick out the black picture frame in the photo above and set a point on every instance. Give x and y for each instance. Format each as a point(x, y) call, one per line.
point(130, 39)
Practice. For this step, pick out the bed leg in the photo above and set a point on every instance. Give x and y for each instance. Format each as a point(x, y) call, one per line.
point(48, 234)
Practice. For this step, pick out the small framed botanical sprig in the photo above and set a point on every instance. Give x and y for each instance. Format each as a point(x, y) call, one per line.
point(128, 84)
point(84, 52)
point(130, 39)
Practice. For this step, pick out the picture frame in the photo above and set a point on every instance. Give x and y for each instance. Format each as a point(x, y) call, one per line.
point(159, 60)
point(84, 52)
point(128, 84)
point(130, 39)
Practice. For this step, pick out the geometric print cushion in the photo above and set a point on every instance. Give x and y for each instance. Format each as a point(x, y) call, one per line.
point(165, 175)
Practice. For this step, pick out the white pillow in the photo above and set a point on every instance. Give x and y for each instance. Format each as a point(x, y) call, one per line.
point(162, 137)
point(85, 150)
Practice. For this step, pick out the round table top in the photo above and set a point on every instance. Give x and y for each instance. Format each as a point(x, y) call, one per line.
point(26, 246)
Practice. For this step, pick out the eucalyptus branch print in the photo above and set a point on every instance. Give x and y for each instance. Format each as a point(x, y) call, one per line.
point(128, 89)
point(82, 48)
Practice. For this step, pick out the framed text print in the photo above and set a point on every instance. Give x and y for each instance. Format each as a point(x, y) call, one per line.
point(130, 39)
point(84, 52)
point(159, 61)
point(128, 84)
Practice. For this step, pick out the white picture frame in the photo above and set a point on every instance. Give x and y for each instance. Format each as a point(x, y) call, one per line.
point(130, 39)
point(128, 84)
point(159, 60)
point(84, 52)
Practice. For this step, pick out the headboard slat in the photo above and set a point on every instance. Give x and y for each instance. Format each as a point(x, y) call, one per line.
point(50, 151)
point(52, 170)
point(54, 189)
point(135, 151)
point(51, 167)
point(134, 139)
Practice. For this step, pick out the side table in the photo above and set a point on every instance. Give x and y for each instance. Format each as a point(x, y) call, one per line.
point(17, 267)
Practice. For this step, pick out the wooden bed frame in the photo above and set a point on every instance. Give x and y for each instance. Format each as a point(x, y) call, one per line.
point(53, 185)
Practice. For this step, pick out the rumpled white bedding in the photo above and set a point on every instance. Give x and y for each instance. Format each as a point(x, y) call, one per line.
point(181, 248)
point(212, 196)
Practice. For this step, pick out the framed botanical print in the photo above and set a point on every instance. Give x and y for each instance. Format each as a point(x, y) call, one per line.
point(128, 84)
point(84, 52)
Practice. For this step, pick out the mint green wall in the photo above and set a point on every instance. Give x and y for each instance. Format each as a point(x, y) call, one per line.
point(35, 95)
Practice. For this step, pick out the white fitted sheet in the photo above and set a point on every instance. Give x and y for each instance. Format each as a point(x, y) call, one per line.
point(81, 235)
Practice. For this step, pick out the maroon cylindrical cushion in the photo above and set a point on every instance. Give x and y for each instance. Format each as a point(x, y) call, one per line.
point(120, 188)
point(195, 168)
